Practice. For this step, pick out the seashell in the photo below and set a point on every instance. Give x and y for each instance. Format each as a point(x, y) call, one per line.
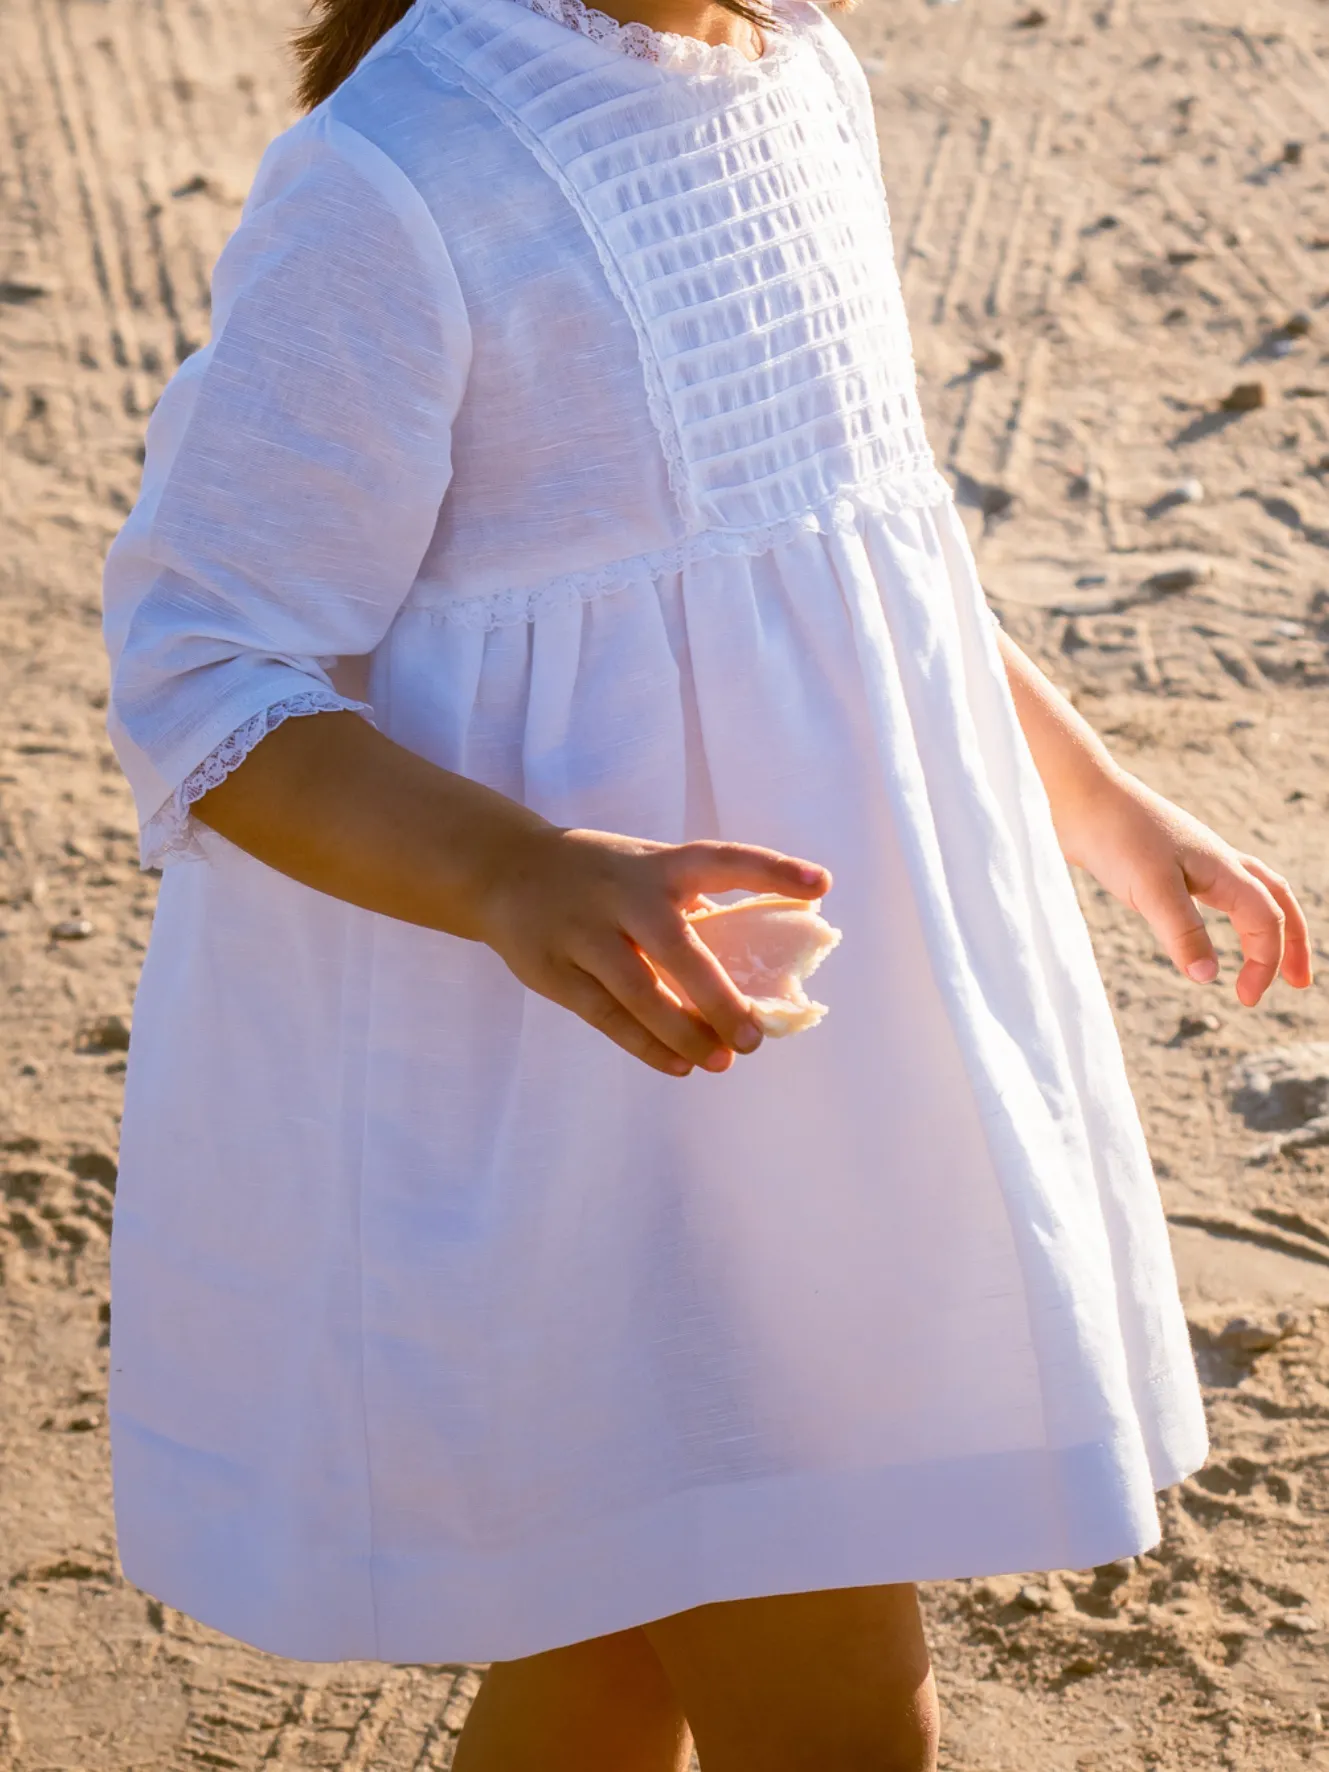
point(768, 945)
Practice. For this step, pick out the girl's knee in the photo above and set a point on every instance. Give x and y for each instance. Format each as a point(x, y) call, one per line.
point(898, 1734)
point(917, 1735)
point(857, 1659)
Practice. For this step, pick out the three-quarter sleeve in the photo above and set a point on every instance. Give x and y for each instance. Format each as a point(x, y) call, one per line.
point(294, 471)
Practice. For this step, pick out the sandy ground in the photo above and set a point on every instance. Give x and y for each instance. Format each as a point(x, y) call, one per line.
point(1107, 217)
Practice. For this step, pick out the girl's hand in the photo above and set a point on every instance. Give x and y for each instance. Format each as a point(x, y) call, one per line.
point(590, 920)
point(1159, 860)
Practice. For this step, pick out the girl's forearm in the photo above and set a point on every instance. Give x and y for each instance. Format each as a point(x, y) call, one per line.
point(1072, 760)
point(592, 920)
point(334, 804)
point(339, 807)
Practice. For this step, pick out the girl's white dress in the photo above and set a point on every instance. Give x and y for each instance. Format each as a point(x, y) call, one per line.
point(560, 411)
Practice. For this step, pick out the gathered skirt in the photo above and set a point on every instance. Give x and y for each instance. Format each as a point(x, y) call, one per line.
point(443, 1330)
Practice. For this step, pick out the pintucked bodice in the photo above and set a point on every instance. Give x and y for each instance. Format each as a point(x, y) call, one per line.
point(736, 212)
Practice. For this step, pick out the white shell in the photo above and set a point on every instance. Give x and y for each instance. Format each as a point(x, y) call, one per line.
point(768, 945)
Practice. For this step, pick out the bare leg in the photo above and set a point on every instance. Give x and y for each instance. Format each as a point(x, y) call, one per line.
point(823, 1682)
point(599, 1706)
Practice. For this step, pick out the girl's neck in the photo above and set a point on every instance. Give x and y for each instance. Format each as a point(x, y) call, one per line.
point(702, 19)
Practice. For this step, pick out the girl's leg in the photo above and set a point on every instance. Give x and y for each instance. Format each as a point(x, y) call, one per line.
point(599, 1706)
point(822, 1682)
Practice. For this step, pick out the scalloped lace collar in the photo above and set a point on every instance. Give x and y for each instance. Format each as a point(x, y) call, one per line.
point(687, 54)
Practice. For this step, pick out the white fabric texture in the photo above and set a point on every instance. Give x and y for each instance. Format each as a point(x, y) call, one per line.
point(560, 414)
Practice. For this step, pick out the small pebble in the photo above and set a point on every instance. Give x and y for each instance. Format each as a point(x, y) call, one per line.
point(989, 360)
point(72, 929)
point(1297, 325)
point(1031, 19)
point(109, 1033)
point(95, 1166)
point(1190, 1027)
point(1301, 1624)
point(1080, 1668)
point(1189, 492)
point(1293, 153)
point(1247, 396)
point(1245, 1336)
point(1169, 584)
point(1089, 581)
point(1034, 1599)
point(1113, 1574)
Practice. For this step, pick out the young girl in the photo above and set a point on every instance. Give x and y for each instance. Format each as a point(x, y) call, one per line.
point(557, 458)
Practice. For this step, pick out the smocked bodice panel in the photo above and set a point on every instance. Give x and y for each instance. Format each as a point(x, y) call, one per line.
point(738, 217)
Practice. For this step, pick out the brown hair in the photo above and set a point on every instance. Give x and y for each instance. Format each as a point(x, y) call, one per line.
point(340, 33)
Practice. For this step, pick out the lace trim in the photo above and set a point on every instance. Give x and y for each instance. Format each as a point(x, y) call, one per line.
point(918, 488)
point(666, 48)
point(173, 832)
point(854, 98)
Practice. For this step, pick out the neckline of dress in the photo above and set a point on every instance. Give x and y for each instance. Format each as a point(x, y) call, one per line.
point(666, 49)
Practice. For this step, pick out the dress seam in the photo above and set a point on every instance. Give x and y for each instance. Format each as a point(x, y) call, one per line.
point(864, 128)
point(657, 395)
point(921, 486)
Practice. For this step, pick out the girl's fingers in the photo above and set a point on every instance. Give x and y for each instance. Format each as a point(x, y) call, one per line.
point(1297, 969)
point(1257, 917)
point(636, 987)
point(741, 867)
point(589, 999)
point(690, 965)
point(1171, 913)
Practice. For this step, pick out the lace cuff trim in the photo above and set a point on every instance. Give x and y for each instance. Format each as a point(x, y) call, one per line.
point(917, 489)
point(172, 832)
point(686, 54)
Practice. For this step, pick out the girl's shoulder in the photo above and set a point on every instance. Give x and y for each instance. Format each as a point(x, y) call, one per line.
point(322, 163)
point(332, 215)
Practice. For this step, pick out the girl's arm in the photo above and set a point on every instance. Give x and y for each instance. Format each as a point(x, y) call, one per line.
point(1149, 853)
point(582, 917)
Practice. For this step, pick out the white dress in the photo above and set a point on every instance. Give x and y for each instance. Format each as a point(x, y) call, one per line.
point(560, 410)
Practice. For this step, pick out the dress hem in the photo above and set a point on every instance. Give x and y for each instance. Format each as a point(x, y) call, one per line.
point(1005, 1513)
